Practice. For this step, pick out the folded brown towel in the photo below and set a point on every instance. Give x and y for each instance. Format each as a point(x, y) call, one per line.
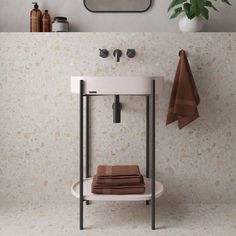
point(119, 180)
point(116, 171)
point(111, 189)
point(184, 96)
point(118, 175)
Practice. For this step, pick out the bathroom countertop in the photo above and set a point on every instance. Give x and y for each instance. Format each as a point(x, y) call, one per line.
point(117, 219)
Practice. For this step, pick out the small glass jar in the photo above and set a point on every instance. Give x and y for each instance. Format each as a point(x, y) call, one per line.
point(60, 24)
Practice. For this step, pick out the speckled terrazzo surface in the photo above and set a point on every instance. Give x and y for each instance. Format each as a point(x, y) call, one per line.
point(118, 220)
point(39, 117)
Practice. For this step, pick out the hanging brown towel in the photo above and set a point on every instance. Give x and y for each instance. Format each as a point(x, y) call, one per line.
point(184, 96)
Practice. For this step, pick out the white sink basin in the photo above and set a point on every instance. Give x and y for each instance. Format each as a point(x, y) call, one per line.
point(120, 85)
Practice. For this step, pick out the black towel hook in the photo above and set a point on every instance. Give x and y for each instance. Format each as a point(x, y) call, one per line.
point(182, 50)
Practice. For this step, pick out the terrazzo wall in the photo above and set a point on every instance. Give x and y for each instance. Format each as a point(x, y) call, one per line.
point(39, 128)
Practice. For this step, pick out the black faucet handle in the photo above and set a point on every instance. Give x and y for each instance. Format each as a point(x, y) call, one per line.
point(104, 53)
point(130, 53)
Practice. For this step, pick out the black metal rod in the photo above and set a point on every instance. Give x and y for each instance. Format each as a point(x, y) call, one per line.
point(87, 139)
point(153, 155)
point(147, 140)
point(81, 154)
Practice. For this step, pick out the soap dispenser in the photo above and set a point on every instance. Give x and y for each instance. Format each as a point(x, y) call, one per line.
point(46, 22)
point(35, 18)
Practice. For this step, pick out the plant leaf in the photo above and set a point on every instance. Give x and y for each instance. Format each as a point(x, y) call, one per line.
point(226, 1)
point(196, 6)
point(187, 10)
point(205, 13)
point(175, 3)
point(177, 11)
point(209, 4)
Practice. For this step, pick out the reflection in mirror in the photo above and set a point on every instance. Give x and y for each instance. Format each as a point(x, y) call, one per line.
point(117, 5)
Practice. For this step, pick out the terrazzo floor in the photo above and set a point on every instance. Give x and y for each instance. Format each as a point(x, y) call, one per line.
point(117, 219)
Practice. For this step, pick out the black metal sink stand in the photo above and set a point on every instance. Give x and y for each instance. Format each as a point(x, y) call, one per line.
point(150, 147)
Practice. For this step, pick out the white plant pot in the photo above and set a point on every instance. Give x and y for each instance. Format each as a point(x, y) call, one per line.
point(194, 25)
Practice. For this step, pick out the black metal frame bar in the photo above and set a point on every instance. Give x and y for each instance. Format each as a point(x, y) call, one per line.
point(148, 145)
point(153, 156)
point(87, 136)
point(81, 154)
point(147, 140)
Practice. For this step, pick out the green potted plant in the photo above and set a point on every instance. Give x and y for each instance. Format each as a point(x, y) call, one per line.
point(194, 13)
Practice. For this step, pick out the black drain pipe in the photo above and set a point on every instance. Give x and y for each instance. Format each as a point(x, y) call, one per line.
point(116, 109)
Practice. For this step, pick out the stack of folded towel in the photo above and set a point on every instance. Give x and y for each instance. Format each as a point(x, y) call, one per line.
point(118, 180)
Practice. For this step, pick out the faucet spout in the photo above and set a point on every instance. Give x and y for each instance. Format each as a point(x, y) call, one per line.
point(116, 109)
point(117, 53)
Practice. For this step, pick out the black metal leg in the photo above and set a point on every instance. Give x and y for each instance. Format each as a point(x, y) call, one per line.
point(147, 140)
point(81, 153)
point(87, 139)
point(153, 156)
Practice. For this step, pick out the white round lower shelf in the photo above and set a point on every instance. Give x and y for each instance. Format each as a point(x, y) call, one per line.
point(88, 195)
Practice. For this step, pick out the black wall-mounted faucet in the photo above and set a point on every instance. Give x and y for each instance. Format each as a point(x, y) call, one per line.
point(117, 53)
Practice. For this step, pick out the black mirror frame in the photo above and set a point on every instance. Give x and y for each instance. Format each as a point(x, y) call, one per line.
point(149, 6)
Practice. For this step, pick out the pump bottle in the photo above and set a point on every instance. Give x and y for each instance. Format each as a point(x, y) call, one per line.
point(35, 19)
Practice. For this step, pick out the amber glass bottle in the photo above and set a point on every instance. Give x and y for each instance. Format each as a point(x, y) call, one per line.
point(46, 22)
point(35, 19)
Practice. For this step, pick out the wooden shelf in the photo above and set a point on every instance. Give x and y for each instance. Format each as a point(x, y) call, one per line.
point(88, 195)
